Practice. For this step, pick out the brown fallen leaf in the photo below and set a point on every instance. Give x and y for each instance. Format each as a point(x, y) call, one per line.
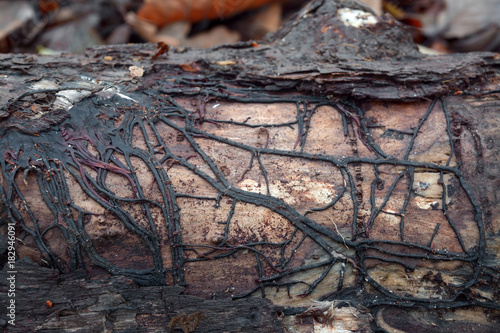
point(161, 12)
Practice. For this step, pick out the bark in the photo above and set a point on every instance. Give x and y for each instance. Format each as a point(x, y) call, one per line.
point(330, 177)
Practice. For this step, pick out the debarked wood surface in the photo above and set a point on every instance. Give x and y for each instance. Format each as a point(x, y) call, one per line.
point(329, 178)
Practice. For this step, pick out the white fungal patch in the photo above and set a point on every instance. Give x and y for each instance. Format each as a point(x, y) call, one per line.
point(356, 18)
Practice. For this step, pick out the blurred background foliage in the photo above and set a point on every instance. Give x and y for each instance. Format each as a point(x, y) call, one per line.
point(70, 26)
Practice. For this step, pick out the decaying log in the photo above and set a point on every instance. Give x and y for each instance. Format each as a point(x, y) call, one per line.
point(117, 304)
point(329, 178)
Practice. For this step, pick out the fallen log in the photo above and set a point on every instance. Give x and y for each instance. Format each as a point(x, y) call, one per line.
point(330, 177)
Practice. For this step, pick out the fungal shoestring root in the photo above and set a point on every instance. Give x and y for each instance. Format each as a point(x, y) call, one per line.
point(63, 151)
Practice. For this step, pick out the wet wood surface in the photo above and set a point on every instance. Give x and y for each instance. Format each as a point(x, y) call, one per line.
point(335, 181)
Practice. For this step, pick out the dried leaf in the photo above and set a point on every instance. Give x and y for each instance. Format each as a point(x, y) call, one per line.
point(162, 49)
point(136, 71)
point(161, 12)
point(190, 68)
